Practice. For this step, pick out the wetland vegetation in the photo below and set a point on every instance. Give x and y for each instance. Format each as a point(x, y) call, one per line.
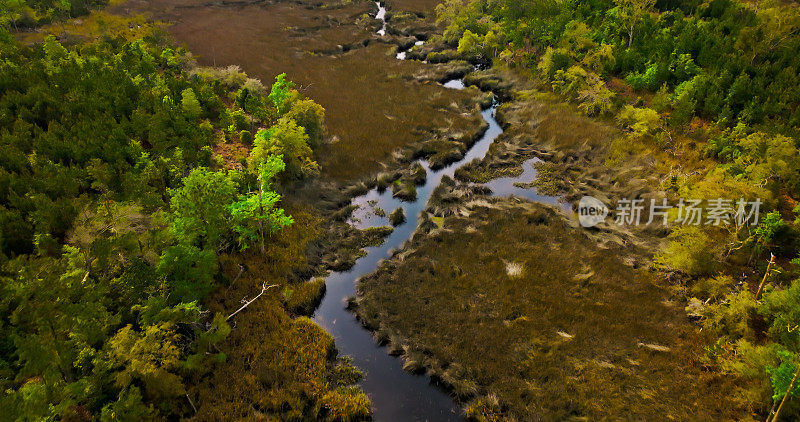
point(343, 210)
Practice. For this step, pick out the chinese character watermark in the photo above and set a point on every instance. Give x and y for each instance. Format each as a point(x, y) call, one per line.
point(713, 212)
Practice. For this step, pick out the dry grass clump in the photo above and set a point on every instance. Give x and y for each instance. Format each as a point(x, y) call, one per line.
point(423, 6)
point(514, 269)
point(561, 338)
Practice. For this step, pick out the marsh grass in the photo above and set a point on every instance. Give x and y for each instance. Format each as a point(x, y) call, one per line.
point(537, 125)
point(524, 316)
point(397, 217)
point(423, 7)
point(374, 106)
point(279, 364)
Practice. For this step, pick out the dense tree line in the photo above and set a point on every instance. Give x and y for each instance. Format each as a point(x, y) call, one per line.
point(721, 59)
point(114, 211)
point(673, 73)
point(22, 14)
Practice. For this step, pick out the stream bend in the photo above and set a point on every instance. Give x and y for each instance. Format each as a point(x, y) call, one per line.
point(396, 394)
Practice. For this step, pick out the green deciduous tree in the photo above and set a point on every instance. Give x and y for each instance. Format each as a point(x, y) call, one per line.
point(150, 357)
point(280, 92)
point(776, 25)
point(188, 271)
point(57, 317)
point(767, 158)
point(311, 117)
point(785, 384)
point(255, 214)
point(470, 43)
point(630, 12)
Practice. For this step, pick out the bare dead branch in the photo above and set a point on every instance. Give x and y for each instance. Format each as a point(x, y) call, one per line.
point(192, 403)
point(247, 303)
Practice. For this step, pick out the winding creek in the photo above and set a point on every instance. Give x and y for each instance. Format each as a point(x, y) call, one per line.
point(396, 394)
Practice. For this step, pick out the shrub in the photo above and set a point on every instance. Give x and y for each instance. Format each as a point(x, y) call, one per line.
point(691, 250)
point(245, 137)
point(311, 116)
point(713, 287)
point(397, 217)
point(238, 120)
point(641, 121)
point(288, 140)
point(552, 61)
point(732, 316)
point(232, 76)
point(649, 80)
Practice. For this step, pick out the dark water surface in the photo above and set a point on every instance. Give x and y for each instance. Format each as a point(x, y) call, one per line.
point(397, 395)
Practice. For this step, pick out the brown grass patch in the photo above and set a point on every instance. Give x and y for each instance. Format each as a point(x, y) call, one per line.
point(232, 154)
point(562, 340)
point(373, 104)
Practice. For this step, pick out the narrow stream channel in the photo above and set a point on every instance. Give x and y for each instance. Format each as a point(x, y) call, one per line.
point(395, 394)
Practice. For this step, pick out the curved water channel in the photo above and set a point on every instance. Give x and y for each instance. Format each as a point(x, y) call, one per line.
point(395, 394)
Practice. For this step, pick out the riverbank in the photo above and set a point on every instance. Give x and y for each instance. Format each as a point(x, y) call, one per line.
point(384, 116)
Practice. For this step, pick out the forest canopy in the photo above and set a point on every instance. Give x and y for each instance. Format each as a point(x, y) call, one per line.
point(721, 59)
point(116, 209)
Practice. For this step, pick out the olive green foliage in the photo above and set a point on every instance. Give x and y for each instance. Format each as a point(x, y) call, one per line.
point(245, 137)
point(133, 145)
point(289, 140)
point(480, 46)
point(630, 12)
point(311, 117)
point(200, 207)
point(693, 47)
point(21, 14)
point(276, 363)
point(189, 104)
point(189, 271)
point(693, 251)
point(640, 121)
